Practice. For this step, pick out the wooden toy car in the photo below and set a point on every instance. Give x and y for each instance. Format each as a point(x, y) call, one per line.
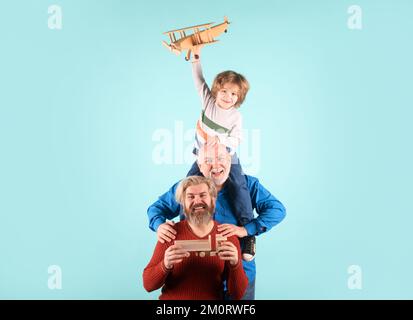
point(202, 248)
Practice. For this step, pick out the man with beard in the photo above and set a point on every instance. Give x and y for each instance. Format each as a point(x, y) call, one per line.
point(215, 162)
point(187, 276)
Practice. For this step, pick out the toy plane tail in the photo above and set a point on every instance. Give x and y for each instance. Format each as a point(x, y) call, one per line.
point(171, 47)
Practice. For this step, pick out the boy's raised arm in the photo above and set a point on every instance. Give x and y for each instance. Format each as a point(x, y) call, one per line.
point(200, 84)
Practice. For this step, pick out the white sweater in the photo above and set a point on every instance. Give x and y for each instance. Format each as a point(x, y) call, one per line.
point(215, 121)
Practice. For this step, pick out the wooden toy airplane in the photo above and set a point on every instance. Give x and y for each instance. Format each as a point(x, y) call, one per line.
point(199, 37)
point(201, 247)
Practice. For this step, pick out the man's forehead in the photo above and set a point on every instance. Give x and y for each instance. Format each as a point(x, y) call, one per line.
point(212, 152)
point(215, 154)
point(198, 188)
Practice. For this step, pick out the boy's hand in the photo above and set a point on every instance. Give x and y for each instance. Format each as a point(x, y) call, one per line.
point(196, 52)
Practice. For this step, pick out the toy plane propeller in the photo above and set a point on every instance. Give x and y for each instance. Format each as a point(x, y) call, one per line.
point(203, 34)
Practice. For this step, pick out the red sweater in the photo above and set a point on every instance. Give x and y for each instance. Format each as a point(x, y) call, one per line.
point(195, 278)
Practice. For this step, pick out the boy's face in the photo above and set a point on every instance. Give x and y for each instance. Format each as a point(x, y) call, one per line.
point(228, 95)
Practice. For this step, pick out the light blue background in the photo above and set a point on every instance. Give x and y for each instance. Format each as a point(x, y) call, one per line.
point(79, 106)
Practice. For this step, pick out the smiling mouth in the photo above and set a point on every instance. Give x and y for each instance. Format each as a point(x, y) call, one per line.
point(198, 208)
point(216, 172)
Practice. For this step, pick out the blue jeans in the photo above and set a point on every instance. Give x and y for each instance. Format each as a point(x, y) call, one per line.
point(249, 293)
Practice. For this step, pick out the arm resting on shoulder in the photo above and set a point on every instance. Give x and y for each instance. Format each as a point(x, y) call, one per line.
point(164, 208)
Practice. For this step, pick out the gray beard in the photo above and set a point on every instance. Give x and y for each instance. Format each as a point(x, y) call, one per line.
point(217, 182)
point(200, 218)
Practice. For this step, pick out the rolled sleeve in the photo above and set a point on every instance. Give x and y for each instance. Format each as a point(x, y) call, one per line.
point(270, 210)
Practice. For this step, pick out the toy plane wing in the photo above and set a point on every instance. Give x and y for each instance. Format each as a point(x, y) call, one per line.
point(203, 34)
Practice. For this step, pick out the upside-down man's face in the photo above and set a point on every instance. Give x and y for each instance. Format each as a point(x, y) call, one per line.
point(215, 162)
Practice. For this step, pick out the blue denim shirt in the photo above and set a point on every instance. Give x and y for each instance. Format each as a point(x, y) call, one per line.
point(269, 212)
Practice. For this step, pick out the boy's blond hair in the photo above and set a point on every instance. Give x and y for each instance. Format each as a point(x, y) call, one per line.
point(234, 78)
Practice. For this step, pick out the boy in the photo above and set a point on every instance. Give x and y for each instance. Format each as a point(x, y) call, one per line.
point(221, 122)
